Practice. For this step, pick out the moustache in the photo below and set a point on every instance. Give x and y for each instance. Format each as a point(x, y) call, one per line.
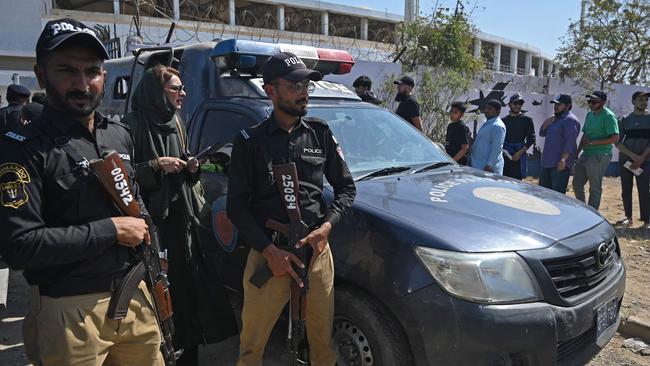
point(80, 95)
point(304, 100)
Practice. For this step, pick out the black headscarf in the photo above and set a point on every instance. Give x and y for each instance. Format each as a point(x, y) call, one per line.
point(158, 132)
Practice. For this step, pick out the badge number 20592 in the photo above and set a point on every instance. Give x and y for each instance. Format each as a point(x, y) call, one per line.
point(606, 316)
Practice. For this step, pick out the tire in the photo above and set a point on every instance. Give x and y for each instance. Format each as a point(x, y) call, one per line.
point(365, 333)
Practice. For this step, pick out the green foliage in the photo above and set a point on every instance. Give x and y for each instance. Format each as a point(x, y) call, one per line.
point(610, 45)
point(438, 53)
point(441, 40)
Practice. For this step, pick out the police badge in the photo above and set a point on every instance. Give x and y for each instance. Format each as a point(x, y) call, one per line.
point(13, 179)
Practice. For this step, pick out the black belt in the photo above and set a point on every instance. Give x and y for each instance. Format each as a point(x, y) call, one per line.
point(76, 287)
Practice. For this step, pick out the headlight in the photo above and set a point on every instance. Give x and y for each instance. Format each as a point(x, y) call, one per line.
point(482, 277)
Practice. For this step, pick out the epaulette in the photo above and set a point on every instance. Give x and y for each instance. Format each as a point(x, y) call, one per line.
point(315, 120)
point(119, 123)
point(23, 134)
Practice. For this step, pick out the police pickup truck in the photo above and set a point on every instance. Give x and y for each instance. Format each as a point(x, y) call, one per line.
point(436, 263)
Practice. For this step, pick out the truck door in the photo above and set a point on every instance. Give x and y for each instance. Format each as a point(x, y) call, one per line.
point(217, 126)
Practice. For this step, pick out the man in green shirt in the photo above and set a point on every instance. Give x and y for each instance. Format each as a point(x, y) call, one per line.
point(600, 132)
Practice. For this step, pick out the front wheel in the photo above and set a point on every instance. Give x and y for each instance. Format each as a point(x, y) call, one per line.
point(366, 334)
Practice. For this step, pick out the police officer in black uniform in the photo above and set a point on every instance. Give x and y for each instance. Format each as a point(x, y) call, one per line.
point(17, 96)
point(253, 198)
point(58, 223)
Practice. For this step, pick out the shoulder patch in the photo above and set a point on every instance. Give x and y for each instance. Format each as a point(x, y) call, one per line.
point(245, 134)
point(13, 180)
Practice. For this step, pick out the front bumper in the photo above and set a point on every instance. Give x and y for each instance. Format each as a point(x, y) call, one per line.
point(444, 330)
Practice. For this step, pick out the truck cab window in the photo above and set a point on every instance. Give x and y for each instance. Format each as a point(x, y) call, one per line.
point(221, 126)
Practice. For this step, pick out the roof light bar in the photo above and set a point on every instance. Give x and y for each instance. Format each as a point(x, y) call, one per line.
point(248, 56)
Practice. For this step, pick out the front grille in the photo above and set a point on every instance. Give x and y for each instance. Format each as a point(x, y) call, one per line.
point(567, 348)
point(576, 275)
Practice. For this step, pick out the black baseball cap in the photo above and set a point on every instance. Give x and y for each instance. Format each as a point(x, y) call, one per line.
point(31, 111)
point(516, 98)
point(598, 95)
point(60, 31)
point(494, 103)
point(288, 66)
point(562, 99)
point(405, 80)
point(640, 94)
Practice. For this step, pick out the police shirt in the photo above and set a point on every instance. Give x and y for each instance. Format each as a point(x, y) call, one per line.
point(54, 214)
point(252, 194)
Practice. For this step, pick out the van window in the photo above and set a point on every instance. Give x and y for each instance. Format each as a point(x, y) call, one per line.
point(121, 88)
point(221, 126)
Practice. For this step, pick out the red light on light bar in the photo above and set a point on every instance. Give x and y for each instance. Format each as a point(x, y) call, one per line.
point(325, 54)
point(344, 69)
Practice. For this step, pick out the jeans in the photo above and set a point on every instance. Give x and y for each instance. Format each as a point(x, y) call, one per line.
point(642, 187)
point(551, 178)
point(590, 168)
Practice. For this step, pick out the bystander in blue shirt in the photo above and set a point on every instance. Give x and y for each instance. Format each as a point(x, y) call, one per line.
point(486, 150)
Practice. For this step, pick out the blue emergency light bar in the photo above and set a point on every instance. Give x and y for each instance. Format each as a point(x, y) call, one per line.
point(248, 56)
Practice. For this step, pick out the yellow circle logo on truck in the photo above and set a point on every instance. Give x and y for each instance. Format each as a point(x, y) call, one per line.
point(517, 200)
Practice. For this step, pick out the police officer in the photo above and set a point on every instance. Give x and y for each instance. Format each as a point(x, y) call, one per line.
point(60, 226)
point(17, 96)
point(253, 198)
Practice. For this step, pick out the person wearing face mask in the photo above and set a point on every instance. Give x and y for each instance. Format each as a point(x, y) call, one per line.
point(520, 136)
point(409, 108)
point(166, 174)
point(600, 132)
point(560, 132)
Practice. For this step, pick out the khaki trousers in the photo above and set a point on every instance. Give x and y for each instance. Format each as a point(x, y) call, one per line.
point(262, 308)
point(74, 330)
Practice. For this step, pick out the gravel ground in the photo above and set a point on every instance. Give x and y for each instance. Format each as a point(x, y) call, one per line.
point(635, 244)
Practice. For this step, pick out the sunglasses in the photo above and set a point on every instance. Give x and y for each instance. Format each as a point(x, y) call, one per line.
point(177, 88)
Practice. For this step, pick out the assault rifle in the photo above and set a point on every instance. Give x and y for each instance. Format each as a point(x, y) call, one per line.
point(113, 176)
point(286, 180)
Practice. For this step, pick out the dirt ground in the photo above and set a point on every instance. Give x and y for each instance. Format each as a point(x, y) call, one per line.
point(635, 245)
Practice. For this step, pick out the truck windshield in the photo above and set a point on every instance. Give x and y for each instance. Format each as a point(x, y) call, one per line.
point(373, 139)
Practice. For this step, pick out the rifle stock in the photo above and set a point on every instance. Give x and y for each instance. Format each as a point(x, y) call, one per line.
point(113, 176)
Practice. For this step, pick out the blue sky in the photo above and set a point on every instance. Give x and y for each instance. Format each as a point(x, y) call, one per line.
point(539, 23)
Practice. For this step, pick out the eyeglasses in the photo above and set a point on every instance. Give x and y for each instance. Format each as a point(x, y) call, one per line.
point(303, 85)
point(177, 88)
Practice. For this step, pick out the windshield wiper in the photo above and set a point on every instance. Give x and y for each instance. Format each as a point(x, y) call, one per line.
point(384, 171)
point(436, 165)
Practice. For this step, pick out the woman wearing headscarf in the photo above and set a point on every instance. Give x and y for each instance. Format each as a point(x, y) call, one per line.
point(166, 175)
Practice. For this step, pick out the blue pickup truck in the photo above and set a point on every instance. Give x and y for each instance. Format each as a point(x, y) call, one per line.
point(436, 263)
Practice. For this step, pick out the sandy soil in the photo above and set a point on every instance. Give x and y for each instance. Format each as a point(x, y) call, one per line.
point(635, 245)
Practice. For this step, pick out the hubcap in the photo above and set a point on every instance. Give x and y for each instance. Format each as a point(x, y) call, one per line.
point(352, 344)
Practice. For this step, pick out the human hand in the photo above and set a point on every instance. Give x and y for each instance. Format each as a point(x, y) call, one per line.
point(488, 169)
point(279, 262)
point(516, 156)
point(561, 165)
point(170, 164)
point(317, 239)
point(193, 165)
point(131, 231)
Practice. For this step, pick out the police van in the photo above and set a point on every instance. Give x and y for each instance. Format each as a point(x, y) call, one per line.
point(436, 263)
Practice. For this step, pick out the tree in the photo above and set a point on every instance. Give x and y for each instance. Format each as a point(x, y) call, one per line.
point(611, 44)
point(438, 50)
